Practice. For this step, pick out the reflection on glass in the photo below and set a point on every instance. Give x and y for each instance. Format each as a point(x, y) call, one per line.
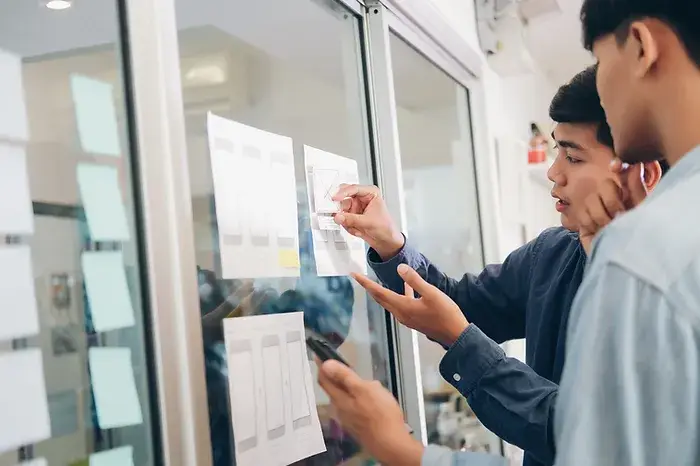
point(289, 67)
point(62, 106)
point(442, 214)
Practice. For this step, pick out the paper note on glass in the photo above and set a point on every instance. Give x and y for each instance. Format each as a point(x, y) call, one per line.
point(16, 214)
point(273, 407)
point(336, 252)
point(103, 203)
point(36, 462)
point(113, 387)
point(256, 202)
point(107, 290)
point(123, 456)
point(18, 313)
point(13, 113)
point(95, 115)
point(23, 404)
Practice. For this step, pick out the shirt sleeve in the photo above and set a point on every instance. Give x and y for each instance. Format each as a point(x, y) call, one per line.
point(629, 393)
point(494, 300)
point(435, 455)
point(507, 396)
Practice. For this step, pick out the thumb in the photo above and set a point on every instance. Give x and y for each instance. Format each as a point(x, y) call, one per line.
point(414, 280)
point(357, 221)
point(632, 181)
point(341, 376)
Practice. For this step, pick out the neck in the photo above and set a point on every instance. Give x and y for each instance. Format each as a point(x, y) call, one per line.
point(679, 115)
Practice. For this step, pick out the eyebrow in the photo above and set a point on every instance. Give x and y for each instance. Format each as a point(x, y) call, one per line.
point(567, 144)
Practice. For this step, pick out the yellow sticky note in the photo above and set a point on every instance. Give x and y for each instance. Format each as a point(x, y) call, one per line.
point(289, 258)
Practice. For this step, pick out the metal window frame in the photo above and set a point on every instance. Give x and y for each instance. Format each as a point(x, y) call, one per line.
point(465, 66)
point(168, 242)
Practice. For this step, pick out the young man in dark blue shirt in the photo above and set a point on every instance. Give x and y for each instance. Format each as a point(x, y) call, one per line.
point(528, 296)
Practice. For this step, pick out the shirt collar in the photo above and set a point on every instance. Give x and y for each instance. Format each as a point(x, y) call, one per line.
point(684, 168)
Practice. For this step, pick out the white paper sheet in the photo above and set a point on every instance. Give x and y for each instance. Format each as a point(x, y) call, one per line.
point(18, 312)
point(122, 456)
point(337, 253)
point(13, 113)
point(103, 203)
point(95, 115)
point(36, 462)
point(113, 386)
point(16, 215)
point(107, 290)
point(275, 420)
point(23, 403)
point(256, 202)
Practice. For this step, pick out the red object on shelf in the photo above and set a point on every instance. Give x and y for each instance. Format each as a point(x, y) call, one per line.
point(536, 156)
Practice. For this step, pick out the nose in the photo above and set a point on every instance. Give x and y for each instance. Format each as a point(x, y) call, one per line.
point(556, 174)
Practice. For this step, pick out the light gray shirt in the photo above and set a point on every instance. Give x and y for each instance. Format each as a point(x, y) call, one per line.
point(630, 391)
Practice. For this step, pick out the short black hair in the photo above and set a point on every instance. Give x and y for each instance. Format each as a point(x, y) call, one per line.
point(578, 102)
point(602, 17)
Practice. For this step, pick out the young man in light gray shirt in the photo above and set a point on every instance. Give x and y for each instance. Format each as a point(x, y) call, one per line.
point(630, 393)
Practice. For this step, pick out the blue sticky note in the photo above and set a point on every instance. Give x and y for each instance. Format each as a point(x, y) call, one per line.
point(95, 115)
point(103, 203)
point(122, 456)
point(114, 388)
point(107, 290)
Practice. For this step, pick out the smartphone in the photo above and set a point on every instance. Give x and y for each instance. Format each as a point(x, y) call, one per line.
point(324, 351)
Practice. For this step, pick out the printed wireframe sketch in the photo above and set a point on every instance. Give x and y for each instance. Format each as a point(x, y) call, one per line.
point(337, 253)
point(243, 401)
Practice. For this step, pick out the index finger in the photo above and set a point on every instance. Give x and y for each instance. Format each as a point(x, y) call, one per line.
point(390, 300)
point(354, 190)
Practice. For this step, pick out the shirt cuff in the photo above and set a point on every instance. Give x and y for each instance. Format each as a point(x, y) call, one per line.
point(435, 455)
point(469, 358)
point(375, 260)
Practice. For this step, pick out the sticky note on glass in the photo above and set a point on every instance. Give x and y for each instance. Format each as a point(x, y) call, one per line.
point(114, 388)
point(123, 456)
point(103, 203)
point(16, 214)
point(13, 117)
point(289, 258)
point(23, 404)
point(107, 290)
point(18, 311)
point(95, 115)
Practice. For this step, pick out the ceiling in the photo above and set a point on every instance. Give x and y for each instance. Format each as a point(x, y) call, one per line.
point(554, 41)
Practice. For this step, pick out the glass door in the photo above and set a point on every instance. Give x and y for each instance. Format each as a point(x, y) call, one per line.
point(290, 70)
point(73, 347)
point(442, 215)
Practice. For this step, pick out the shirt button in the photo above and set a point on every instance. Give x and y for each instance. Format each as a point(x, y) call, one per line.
point(457, 377)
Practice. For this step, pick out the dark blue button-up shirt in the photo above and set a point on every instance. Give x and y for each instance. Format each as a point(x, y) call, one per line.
point(528, 296)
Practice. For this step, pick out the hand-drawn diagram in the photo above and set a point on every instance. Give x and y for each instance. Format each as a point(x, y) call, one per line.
point(273, 406)
point(336, 252)
point(256, 200)
point(240, 363)
point(274, 391)
point(296, 354)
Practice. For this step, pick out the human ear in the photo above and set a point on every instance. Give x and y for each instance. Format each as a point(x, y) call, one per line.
point(652, 174)
point(643, 47)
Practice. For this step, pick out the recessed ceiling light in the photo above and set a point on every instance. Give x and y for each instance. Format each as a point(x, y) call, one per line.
point(58, 4)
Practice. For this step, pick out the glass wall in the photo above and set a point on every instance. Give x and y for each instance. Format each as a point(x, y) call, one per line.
point(292, 68)
point(442, 213)
point(72, 339)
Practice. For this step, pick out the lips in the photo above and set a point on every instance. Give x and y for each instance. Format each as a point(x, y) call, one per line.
point(561, 203)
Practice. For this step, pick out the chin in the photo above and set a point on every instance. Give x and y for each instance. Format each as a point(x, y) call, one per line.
point(568, 224)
